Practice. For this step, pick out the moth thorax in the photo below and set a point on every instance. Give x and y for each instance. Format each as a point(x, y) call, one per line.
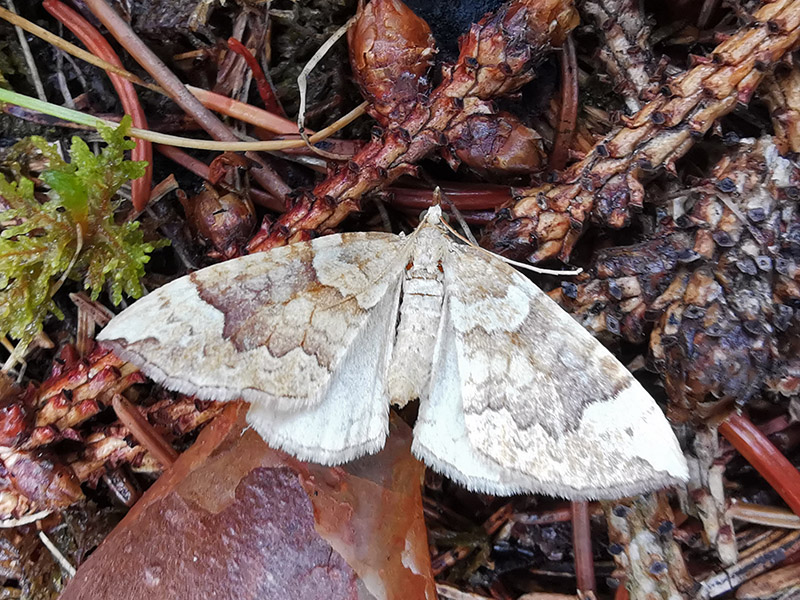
point(412, 356)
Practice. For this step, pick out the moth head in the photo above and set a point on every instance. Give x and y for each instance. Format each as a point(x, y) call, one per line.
point(433, 216)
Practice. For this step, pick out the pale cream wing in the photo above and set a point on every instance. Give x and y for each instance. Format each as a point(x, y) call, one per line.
point(542, 397)
point(352, 418)
point(280, 328)
point(440, 433)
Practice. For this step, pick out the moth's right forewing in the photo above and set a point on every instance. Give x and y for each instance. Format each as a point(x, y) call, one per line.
point(269, 328)
point(543, 398)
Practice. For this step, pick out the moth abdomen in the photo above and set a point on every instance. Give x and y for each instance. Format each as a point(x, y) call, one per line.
point(417, 330)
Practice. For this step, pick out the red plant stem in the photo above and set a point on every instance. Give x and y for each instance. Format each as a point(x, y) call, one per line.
point(582, 548)
point(269, 179)
point(463, 197)
point(448, 558)
point(123, 33)
point(557, 514)
point(97, 45)
point(498, 518)
point(341, 147)
point(199, 168)
point(477, 203)
point(569, 106)
point(622, 592)
point(775, 425)
point(560, 514)
point(245, 112)
point(266, 200)
point(265, 90)
point(764, 456)
point(164, 187)
point(184, 159)
point(144, 432)
point(477, 218)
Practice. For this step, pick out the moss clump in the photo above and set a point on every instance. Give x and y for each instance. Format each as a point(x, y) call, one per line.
point(71, 233)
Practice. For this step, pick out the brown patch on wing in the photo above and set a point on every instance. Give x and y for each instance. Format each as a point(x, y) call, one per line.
point(242, 298)
point(544, 369)
point(277, 308)
point(284, 307)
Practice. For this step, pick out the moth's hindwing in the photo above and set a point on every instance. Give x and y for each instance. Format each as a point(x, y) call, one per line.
point(278, 329)
point(548, 407)
point(352, 418)
point(440, 434)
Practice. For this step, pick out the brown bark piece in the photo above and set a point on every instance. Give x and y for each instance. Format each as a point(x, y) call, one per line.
point(291, 529)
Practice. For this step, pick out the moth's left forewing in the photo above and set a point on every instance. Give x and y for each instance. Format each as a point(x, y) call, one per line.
point(545, 399)
point(271, 327)
point(304, 333)
point(352, 418)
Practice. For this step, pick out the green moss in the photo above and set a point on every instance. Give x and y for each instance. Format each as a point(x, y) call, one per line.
point(72, 234)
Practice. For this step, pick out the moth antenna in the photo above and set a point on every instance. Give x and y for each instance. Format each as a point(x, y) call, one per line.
point(535, 269)
point(387, 222)
point(439, 197)
point(464, 226)
point(521, 265)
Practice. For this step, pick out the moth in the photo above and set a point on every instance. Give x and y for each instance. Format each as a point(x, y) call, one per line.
point(321, 336)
